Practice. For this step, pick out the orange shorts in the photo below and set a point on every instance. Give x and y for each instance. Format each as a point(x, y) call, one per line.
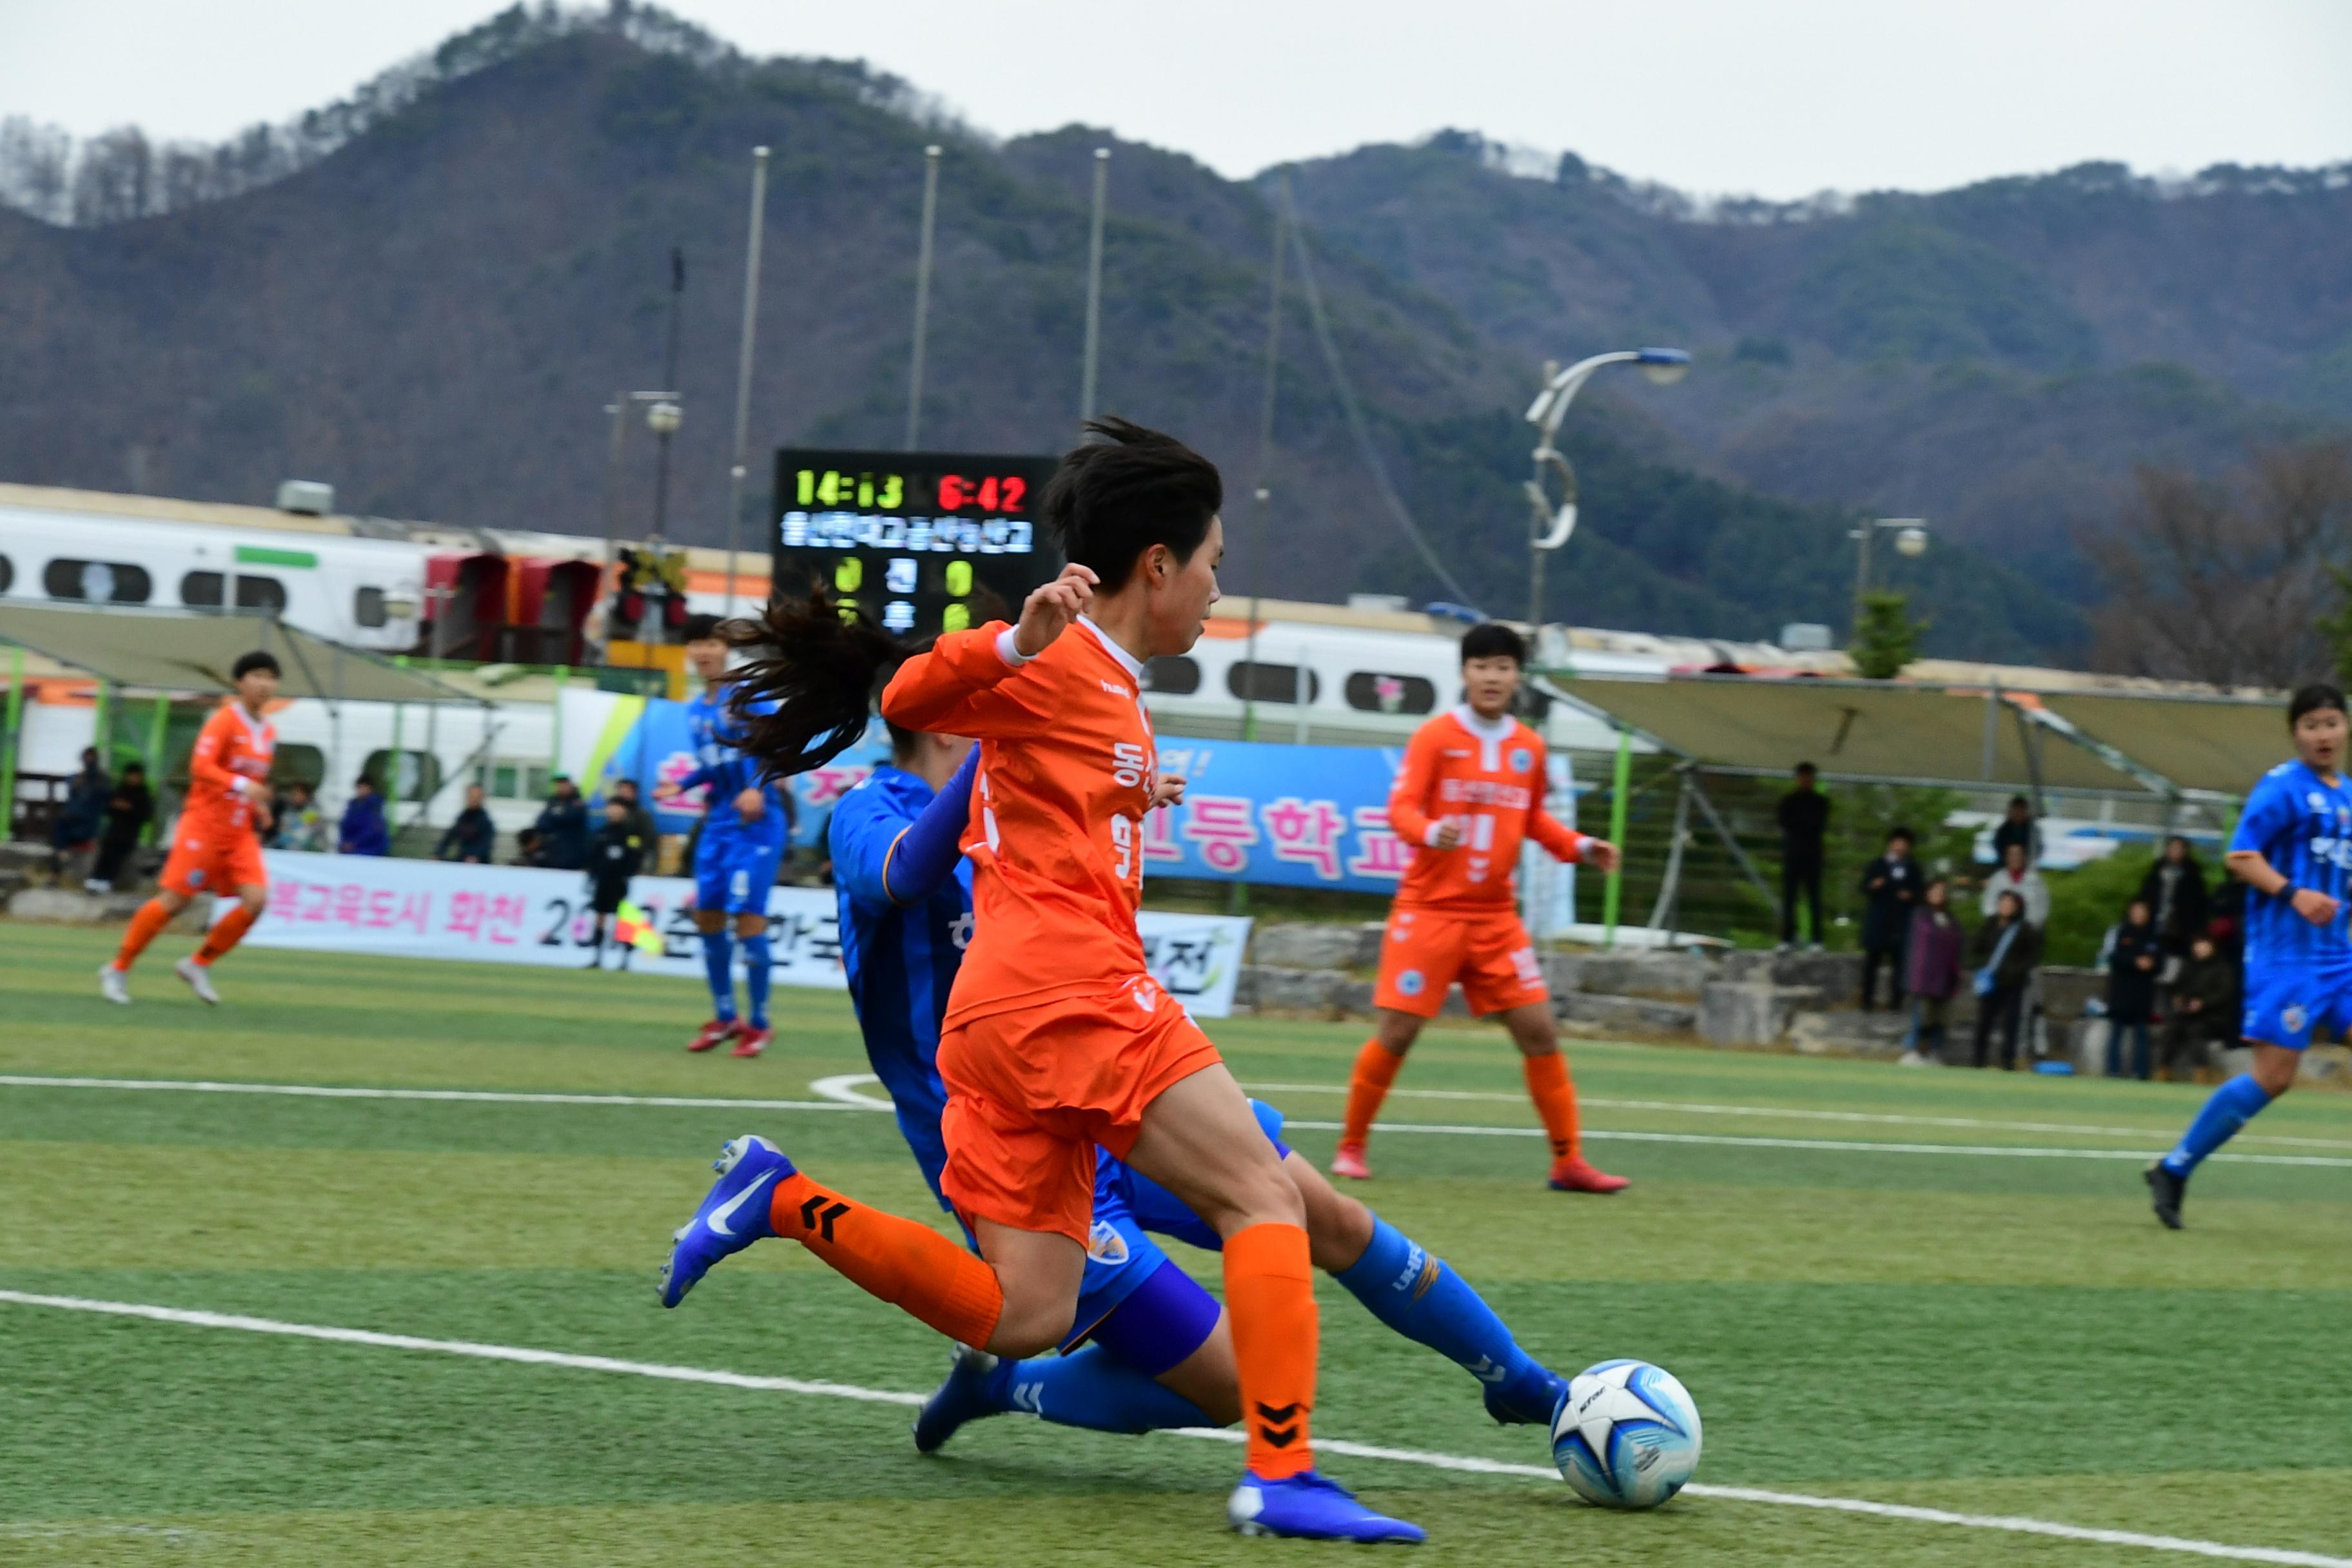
point(1031, 1092)
point(1425, 951)
point(208, 860)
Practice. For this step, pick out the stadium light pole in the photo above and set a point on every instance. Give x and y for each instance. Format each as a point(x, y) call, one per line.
point(1094, 286)
point(1910, 540)
point(744, 365)
point(1550, 526)
point(922, 295)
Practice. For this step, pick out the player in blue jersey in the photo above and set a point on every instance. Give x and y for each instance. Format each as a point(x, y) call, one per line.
point(1147, 1347)
point(2292, 846)
point(746, 828)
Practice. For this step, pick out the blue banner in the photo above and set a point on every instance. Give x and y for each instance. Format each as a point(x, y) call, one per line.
point(1301, 816)
point(658, 748)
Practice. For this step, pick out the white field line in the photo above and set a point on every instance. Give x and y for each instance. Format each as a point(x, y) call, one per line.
point(847, 1097)
point(1457, 1462)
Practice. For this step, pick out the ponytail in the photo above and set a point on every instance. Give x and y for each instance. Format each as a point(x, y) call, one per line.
point(807, 694)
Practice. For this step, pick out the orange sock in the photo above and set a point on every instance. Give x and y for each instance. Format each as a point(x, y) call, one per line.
point(226, 934)
point(1376, 1068)
point(151, 917)
point(1270, 1301)
point(1555, 1098)
point(910, 1266)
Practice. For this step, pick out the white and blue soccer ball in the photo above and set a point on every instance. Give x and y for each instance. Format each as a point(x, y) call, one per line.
point(1626, 1434)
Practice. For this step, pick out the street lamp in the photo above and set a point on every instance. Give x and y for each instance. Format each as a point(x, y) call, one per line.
point(618, 409)
point(1550, 526)
point(1910, 542)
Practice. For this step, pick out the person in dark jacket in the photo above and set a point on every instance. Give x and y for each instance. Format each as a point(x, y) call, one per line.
point(564, 828)
point(473, 837)
point(364, 829)
point(128, 810)
point(77, 821)
point(618, 855)
point(641, 821)
point(2201, 1010)
point(2017, 827)
point(2175, 894)
point(1931, 971)
point(2134, 959)
point(1804, 813)
point(2008, 950)
point(1890, 889)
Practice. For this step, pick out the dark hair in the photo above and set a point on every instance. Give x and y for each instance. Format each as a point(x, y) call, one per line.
point(698, 627)
point(2311, 698)
point(1807, 768)
point(1904, 834)
point(1493, 639)
point(809, 688)
point(138, 768)
point(2008, 895)
point(247, 663)
point(2021, 800)
point(1116, 497)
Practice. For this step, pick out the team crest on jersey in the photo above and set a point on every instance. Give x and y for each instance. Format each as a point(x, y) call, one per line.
point(195, 878)
point(2293, 1017)
point(2317, 802)
point(1410, 983)
point(1521, 759)
point(1105, 1244)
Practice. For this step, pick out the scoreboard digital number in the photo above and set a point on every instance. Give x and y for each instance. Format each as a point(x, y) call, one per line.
point(921, 542)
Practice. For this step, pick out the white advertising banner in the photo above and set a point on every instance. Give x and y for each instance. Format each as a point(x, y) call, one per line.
point(516, 914)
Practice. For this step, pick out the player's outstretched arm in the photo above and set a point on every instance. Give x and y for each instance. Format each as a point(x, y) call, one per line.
point(971, 683)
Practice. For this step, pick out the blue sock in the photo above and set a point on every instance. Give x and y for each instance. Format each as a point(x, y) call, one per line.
point(1422, 1299)
point(1092, 1390)
point(759, 969)
point(717, 963)
point(2229, 1108)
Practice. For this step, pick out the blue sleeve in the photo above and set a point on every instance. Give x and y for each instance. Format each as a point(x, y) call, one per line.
point(862, 829)
point(2269, 811)
point(927, 853)
point(698, 777)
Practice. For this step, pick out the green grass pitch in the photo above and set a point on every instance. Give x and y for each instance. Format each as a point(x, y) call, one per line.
point(1961, 1329)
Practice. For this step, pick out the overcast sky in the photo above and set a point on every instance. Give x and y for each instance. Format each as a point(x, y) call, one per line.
point(1775, 97)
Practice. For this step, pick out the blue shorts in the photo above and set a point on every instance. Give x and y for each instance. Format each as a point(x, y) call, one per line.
point(733, 874)
point(2285, 1003)
point(1119, 1256)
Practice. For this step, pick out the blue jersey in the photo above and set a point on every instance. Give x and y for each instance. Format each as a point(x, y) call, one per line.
point(901, 958)
point(724, 772)
point(2303, 826)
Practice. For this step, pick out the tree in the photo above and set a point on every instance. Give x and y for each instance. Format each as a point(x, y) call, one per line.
point(2235, 584)
point(1886, 637)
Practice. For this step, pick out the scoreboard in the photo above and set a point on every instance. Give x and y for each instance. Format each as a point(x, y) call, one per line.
point(921, 542)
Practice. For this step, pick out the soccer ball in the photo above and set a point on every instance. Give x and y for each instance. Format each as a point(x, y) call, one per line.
point(1626, 1434)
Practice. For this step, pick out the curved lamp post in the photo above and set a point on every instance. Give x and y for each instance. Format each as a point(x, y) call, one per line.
point(1550, 525)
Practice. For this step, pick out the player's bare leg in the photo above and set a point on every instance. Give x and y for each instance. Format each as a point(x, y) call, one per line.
point(252, 898)
point(1537, 1034)
point(151, 919)
point(1377, 1066)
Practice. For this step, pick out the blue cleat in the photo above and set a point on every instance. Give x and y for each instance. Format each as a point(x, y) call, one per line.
point(1308, 1508)
point(1528, 1400)
point(966, 1395)
point(732, 1216)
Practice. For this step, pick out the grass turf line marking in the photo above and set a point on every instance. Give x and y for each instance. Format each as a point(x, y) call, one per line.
point(850, 1101)
point(1457, 1462)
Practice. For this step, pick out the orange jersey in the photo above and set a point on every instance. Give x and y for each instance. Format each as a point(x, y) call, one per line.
point(1056, 837)
point(1489, 781)
point(228, 771)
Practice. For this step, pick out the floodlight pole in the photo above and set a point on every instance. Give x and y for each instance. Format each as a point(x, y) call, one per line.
point(922, 295)
point(1094, 286)
point(744, 365)
point(1911, 540)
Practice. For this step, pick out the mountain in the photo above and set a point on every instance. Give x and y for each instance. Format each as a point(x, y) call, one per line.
point(428, 293)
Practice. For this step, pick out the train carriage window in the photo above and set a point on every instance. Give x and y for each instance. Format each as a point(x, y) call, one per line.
point(100, 582)
point(367, 608)
point(202, 590)
point(1172, 675)
point(7, 573)
point(420, 772)
point(1262, 682)
point(298, 763)
point(1371, 693)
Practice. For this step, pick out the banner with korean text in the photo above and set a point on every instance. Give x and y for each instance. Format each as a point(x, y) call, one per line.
point(514, 914)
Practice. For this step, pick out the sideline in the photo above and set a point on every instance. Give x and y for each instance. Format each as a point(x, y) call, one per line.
point(1458, 1462)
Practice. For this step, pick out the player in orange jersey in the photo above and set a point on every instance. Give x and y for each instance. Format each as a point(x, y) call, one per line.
point(1471, 789)
point(1056, 1039)
point(216, 845)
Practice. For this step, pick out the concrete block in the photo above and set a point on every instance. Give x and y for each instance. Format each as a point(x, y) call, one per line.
point(1645, 973)
point(1369, 937)
point(1564, 972)
point(1847, 1033)
point(56, 906)
point(1353, 998)
point(1306, 945)
point(1627, 1015)
point(1837, 976)
point(2325, 1064)
point(1292, 990)
point(1735, 1015)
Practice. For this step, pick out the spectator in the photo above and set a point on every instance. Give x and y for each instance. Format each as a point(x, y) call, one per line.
point(563, 828)
point(472, 836)
point(1804, 813)
point(618, 855)
point(2017, 827)
point(1931, 971)
point(364, 830)
point(641, 821)
point(2008, 947)
point(2202, 1011)
point(2016, 876)
point(1890, 889)
point(2133, 957)
point(2175, 894)
point(75, 826)
point(299, 824)
point(128, 811)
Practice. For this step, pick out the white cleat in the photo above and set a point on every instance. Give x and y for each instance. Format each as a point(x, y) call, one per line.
point(113, 984)
point(199, 979)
